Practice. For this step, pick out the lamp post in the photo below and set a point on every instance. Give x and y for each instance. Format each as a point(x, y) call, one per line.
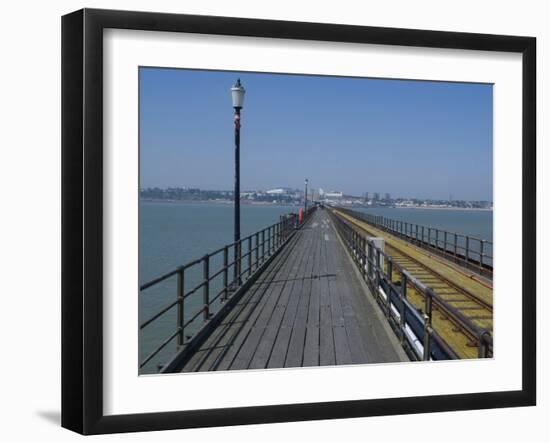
point(305, 200)
point(237, 94)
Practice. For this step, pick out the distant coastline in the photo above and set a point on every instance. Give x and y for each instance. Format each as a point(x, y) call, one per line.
point(214, 202)
point(439, 209)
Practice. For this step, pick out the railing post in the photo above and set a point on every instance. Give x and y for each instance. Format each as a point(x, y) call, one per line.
point(180, 321)
point(263, 245)
point(445, 242)
point(427, 324)
point(437, 239)
point(357, 246)
point(416, 229)
point(249, 256)
point(456, 245)
point(206, 287)
point(481, 247)
point(379, 271)
point(467, 253)
point(354, 245)
point(422, 234)
point(369, 260)
point(429, 236)
point(225, 274)
point(403, 297)
point(240, 261)
point(257, 251)
point(363, 257)
point(483, 346)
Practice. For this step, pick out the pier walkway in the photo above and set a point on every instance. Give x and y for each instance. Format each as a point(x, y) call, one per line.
point(309, 307)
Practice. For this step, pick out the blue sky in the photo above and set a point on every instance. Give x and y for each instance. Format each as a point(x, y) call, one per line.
point(409, 138)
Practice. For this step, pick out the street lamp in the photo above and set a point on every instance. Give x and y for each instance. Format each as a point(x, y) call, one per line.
point(305, 201)
point(237, 94)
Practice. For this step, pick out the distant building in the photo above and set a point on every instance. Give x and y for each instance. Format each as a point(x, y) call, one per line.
point(278, 191)
point(376, 196)
point(387, 196)
point(333, 195)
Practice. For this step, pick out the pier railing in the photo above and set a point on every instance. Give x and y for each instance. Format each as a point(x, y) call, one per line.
point(470, 252)
point(217, 276)
point(414, 329)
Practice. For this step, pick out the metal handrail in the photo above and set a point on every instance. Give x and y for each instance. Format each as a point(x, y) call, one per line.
point(472, 252)
point(414, 330)
point(272, 239)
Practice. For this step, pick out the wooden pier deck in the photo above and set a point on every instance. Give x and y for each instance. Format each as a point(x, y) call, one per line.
point(308, 308)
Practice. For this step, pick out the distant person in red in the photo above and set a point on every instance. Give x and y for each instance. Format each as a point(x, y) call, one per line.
point(301, 215)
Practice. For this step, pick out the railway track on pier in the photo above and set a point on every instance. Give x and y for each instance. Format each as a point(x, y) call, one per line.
point(473, 303)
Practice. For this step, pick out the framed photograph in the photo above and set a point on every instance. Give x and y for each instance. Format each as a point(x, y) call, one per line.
point(269, 221)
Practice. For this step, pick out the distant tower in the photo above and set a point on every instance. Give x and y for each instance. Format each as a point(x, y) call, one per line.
point(376, 196)
point(387, 196)
point(366, 196)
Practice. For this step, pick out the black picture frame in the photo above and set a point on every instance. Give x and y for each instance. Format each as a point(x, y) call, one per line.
point(82, 218)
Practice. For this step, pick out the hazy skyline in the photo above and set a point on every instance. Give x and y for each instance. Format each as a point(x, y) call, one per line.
point(408, 138)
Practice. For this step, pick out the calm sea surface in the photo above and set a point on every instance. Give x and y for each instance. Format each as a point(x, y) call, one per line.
point(172, 234)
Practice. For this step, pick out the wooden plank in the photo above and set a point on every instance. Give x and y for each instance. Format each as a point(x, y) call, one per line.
point(312, 342)
point(231, 354)
point(367, 335)
point(327, 354)
point(225, 334)
point(222, 334)
point(271, 311)
point(295, 353)
point(280, 348)
point(267, 342)
point(341, 346)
